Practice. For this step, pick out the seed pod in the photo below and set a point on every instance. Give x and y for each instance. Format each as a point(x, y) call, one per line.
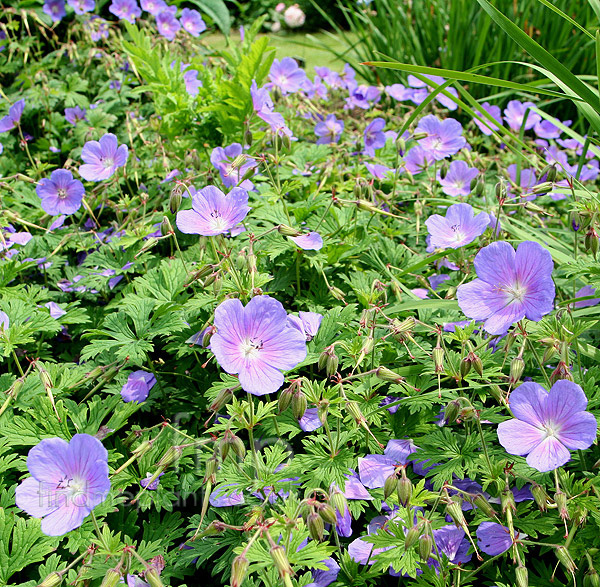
point(496, 392)
point(285, 399)
point(286, 230)
point(337, 293)
point(315, 525)
point(142, 449)
point(404, 490)
point(425, 547)
point(591, 241)
point(521, 576)
point(224, 397)
point(366, 205)
point(299, 404)
point(484, 505)
point(454, 510)
point(507, 500)
point(386, 374)
point(52, 580)
point(170, 457)
point(239, 568)
point(327, 513)
point(517, 366)
point(541, 188)
point(390, 485)
point(560, 498)
point(280, 559)
point(153, 578)
point(438, 359)
point(411, 537)
point(563, 555)
point(540, 497)
point(111, 578)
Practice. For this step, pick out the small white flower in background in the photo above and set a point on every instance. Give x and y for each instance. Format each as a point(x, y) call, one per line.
point(276, 27)
point(294, 17)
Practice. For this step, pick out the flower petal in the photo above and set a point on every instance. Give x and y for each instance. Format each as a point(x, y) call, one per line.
point(548, 455)
point(518, 437)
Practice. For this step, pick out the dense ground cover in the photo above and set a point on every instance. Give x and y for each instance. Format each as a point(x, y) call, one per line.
point(266, 326)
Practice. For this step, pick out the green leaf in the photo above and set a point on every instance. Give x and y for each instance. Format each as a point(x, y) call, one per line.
point(217, 10)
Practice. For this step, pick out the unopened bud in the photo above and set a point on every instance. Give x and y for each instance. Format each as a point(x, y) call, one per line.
point(560, 498)
point(315, 526)
point(500, 191)
point(299, 404)
point(541, 188)
point(425, 547)
point(540, 497)
point(285, 399)
point(451, 412)
point(338, 501)
point(396, 289)
point(507, 500)
point(153, 578)
point(401, 145)
point(239, 569)
point(111, 578)
point(386, 374)
point(165, 226)
point(454, 510)
point(323, 410)
point(521, 576)
point(496, 392)
point(390, 485)
point(444, 170)
point(286, 230)
point(327, 513)
point(404, 490)
point(550, 172)
point(438, 359)
point(549, 354)
point(281, 561)
point(52, 580)
point(45, 377)
point(170, 457)
point(337, 293)
point(563, 555)
point(465, 367)
point(367, 206)
point(476, 363)
point(591, 578)
point(175, 199)
point(484, 505)
point(223, 398)
point(142, 449)
point(248, 138)
point(517, 366)
point(591, 241)
point(575, 220)
point(411, 537)
point(212, 466)
point(562, 371)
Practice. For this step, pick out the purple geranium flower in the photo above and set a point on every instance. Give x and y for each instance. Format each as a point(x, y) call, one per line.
point(375, 469)
point(232, 175)
point(125, 10)
point(154, 7)
point(418, 160)
point(458, 228)
point(514, 114)
point(545, 129)
point(74, 115)
point(12, 119)
point(510, 286)
point(213, 212)
point(168, 26)
point(308, 323)
point(311, 241)
point(362, 96)
point(4, 321)
point(220, 499)
point(150, 485)
point(585, 291)
point(494, 539)
point(192, 22)
point(60, 194)
point(55, 310)
point(329, 130)
point(380, 171)
point(487, 127)
point(527, 180)
point(310, 420)
point(457, 182)
point(452, 541)
point(399, 92)
point(55, 9)
point(134, 581)
point(444, 137)
point(82, 6)
point(256, 342)
point(547, 425)
point(286, 75)
point(68, 480)
point(192, 83)
point(421, 91)
point(138, 386)
point(263, 106)
point(374, 136)
point(324, 578)
point(102, 158)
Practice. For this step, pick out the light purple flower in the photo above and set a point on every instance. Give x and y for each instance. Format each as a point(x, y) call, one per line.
point(311, 241)
point(380, 171)
point(422, 91)
point(192, 22)
point(256, 342)
point(444, 137)
point(547, 425)
point(286, 75)
point(68, 480)
point(102, 158)
point(55, 310)
point(399, 92)
point(354, 489)
point(418, 160)
point(134, 581)
point(213, 212)
point(192, 83)
point(60, 194)
point(457, 182)
point(82, 6)
point(329, 130)
point(585, 291)
point(138, 386)
point(154, 7)
point(362, 97)
point(375, 469)
point(12, 119)
point(453, 542)
point(4, 321)
point(527, 180)
point(310, 421)
point(223, 159)
point(545, 129)
point(263, 107)
point(219, 499)
point(166, 23)
point(374, 136)
point(458, 228)
point(125, 10)
point(324, 578)
point(150, 485)
point(308, 323)
point(510, 286)
point(487, 127)
point(55, 9)
point(74, 115)
point(514, 114)
point(493, 538)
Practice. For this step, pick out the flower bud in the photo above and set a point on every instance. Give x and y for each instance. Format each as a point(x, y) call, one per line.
point(286, 230)
point(521, 576)
point(425, 547)
point(507, 500)
point(575, 220)
point(562, 371)
point(540, 497)
point(454, 510)
point(396, 289)
point(476, 363)
point(238, 447)
point(175, 199)
point(239, 568)
point(208, 334)
point(401, 145)
point(390, 485)
point(496, 392)
point(549, 354)
point(550, 172)
point(285, 399)
point(315, 525)
point(484, 505)
point(212, 466)
point(153, 578)
point(224, 397)
point(170, 457)
point(367, 206)
point(327, 513)
point(500, 191)
point(517, 366)
point(591, 241)
point(438, 359)
point(299, 404)
point(386, 374)
point(217, 284)
point(142, 449)
point(591, 578)
point(280, 559)
point(323, 410)
point(338, 500)
point(563, 555)
point(248, 138)
point(560, 498)
point(451, 412)
point(411, 537)
point(337, 293)
point(52, 580)
point(444, 170)
point(165, 226)
point(465, 367)
point(111, 578)
point(404, 490)
point(541, 188)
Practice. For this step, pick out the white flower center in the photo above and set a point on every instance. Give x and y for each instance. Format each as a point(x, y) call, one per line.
point(61, 193)
point(517, 292)
point(218, 222)
point(107, 162)
point(251, 348)
point(552, 429)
